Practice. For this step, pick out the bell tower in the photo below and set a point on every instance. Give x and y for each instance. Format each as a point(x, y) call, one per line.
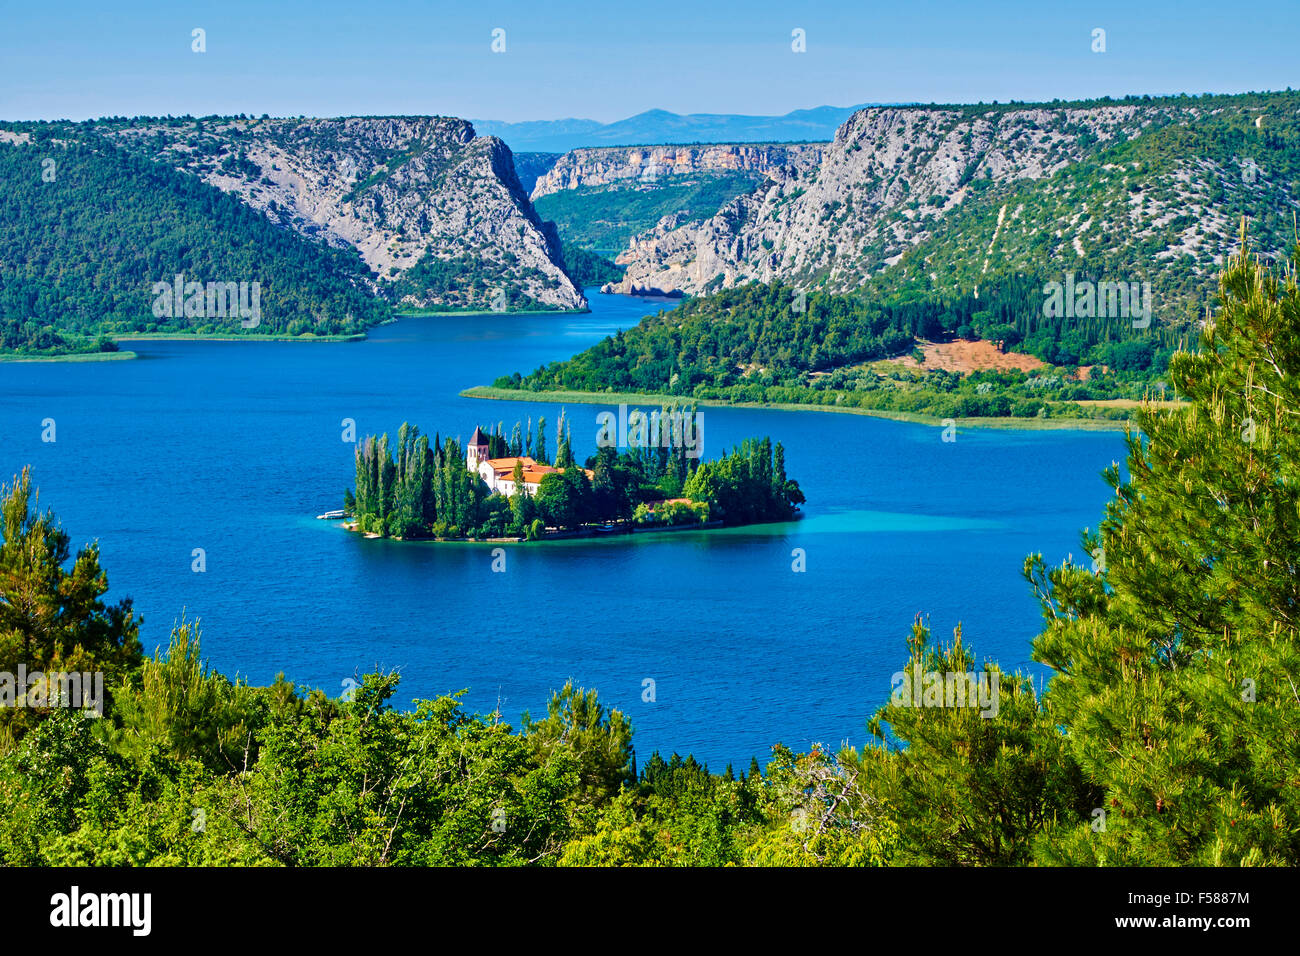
point(477, 450)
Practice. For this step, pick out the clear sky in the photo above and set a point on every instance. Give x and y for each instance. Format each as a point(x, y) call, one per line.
point(605, 61)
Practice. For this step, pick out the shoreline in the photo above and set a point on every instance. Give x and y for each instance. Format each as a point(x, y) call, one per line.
point(233, 337)
point(119, 356)
point(492, 393)
point(259, 337)
point(584, 536)
point(435, 313)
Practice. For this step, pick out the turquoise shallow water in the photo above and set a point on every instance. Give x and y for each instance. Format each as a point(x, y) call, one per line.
point(234, 447)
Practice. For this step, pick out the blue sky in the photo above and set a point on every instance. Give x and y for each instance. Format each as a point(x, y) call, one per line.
point(610, 60)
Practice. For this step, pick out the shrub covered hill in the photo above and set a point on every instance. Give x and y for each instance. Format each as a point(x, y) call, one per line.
point(339, 221)
point(771, 344)
point(945, 198)
point(907, 204)
point(82, 249)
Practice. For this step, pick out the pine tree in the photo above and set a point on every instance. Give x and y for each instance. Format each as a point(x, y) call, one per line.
point(1175, 648)
point(980, 774)
point(52, 618)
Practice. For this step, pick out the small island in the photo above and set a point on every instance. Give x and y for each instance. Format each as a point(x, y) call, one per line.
point(507, 489)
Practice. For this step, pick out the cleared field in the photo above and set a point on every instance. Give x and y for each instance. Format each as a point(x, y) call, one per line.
point(966, 356)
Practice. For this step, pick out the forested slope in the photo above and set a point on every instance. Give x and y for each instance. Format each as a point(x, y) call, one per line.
point(86, 231)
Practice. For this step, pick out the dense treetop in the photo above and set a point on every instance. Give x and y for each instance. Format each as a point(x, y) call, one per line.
point(774, 343)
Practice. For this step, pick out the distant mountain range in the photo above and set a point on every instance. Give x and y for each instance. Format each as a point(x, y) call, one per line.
point(658, 127)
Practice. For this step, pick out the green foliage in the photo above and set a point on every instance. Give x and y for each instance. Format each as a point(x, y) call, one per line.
point(588, 269)
point(749, 344)
point(332, 784)
point(564, 499)
point(415, 491)
point(599, 741)
point(816, 810)
point(749, 485)
point(79, 255)
point(715, 340)
point(376, 787)
point(1176, 660)
point(604, 218)
point(52, 618)
point(672, 513)
point(968, 785)
point(468, 283)
point(67, 799)
point(175, 705)
point(677, 814)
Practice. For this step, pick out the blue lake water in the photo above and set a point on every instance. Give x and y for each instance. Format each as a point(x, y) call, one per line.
point(235, 447)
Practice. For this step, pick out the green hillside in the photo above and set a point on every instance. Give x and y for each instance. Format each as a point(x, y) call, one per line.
point(604, 218)
point(765, 343)
point(87, 231)
point(1163, 207)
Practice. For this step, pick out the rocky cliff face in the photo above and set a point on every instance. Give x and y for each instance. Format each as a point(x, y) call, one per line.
point(606, 166)
point(892, 179)
point(398, 189)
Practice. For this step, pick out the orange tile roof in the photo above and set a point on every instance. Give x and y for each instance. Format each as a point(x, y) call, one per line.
point(533, 472)
point(508, 464)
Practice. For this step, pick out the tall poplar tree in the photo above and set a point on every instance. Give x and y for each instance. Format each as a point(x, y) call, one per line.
point(540, 454)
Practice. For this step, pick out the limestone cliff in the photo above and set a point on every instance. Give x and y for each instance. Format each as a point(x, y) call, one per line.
point(963, 189)
point(401, 190)
point(605, 166)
